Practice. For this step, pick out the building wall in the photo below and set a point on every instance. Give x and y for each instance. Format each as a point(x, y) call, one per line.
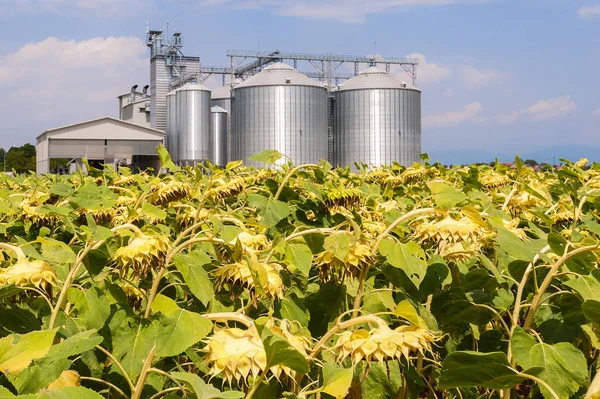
point(136, 113)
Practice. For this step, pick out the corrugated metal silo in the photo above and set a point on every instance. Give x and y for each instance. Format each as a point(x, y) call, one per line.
point(376, 121)
point(221, 97)
point(279, 109)
point(193, 123)
point(218, 135)
point(171, 132)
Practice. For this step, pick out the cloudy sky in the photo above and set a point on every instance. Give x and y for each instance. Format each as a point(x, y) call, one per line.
point(498, 76)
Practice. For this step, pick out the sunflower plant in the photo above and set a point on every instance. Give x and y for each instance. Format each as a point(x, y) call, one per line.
point(301, 281)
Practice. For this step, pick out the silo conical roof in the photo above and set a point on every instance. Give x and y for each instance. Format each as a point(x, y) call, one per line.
point(216, 108)
point(224, 92)
point(374, 78)
point(193, 86)
point(279, 74)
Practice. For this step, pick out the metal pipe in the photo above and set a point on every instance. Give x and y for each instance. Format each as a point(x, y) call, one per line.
point(145, 92)
point(132, 96)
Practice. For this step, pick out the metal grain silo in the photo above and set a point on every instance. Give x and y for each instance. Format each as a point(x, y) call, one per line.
point(218, 134)
point(171, 132)
point(193, 123)
point(279, 109)
point(376, 121)
point(221, 96)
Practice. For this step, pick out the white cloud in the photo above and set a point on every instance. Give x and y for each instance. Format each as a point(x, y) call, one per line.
point(589, 12)
point(53, 82)
point(342, 10)
point(101, 8)
point(474, 77)
point(468, 114)
point(541, 110)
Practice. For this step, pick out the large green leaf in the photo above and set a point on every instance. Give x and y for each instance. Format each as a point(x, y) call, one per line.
point(280, 352)
point(564, 368)
point(271, 211)
point(180, 329)
point(63, 393)
point(165, 159)
point(591, 310)
point(191, 268)
point(92, 306)
point(445, 196)
point(338, 244)
point(300, 256)
point(521, 344)
point(475, 369)
point(581, 263)
point(266, 156)
point(586, 286)
point(516, 248)
point(203, 390)
point(336, 380)
point(18, 351)
point(405, 257)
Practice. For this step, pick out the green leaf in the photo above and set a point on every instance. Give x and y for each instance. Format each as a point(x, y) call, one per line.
point(408, 312)
point(336, 380)
point(292, 311)
point(57, 252)
point(516, 248)
point(180, 329)
point(202, 389)
point(165, 159)
point(521, 345)
point(266, 156)
point(74, 345)
point(64, 393)
point(586, 286)
point(191, 268)
point(405, 257)
point(272, 211)
point(445, 196)
point(300, 256)
point(564, 368)
point(153, 211)
point(279, 351)
point(475, 369)
point(338, 244)
point(581, 263)
point(93, 309)
point(18, 351)
point(591, 310)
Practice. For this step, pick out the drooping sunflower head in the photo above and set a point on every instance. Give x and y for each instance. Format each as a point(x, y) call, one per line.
point(242, 274)
point(458, 251)
point(168, 191)
point(222, 189)
point(23, 273)
point(254, 242)
point(343, 199)
point(492, 179)
point(383, 343)
point(124, 180)
point(582, 163)
point(32, 211)
point(414, 173)
point(450, 230)
point(143, 253)
point(100, 216)
point(334, 268)
point(235, 354)
point(564, 212)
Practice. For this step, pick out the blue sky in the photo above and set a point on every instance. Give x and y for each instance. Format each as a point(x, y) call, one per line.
point(498, 76)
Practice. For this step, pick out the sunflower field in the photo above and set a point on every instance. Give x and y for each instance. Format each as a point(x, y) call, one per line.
point(301, 282)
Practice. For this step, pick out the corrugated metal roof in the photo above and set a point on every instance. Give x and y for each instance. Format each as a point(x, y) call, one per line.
point(279, 74)
point(216, 108)
point(374, 78)
point(193, 86)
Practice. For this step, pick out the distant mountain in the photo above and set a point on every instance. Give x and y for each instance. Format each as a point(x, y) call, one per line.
point(467, 156)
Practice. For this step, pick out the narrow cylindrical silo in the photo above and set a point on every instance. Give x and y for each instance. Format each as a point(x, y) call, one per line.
point(218, 133)
point(279, 109)
point(193, 124)
point(221, 97)
point(376, 121)
point(171, 133)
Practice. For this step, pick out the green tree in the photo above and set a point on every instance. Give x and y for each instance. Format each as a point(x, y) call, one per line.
point(531, 162)
point(20, 159)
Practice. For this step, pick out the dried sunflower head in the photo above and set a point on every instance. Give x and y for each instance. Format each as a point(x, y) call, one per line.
point(224, 189)
point(341, 200)
point(414, 173)
point(235, 354)
point(450, 230)
point(383, 343)
point(24, 273)
point(124, 180)
point(241, 274)
point(493, 179)
point(187, 215)
point(255, 242)
point(582, 163)
point(142, 253)
point(359, 254)
point(100, 216)
point(457, 251)
point(168, 191)
point(31, 210)
point(564, 212)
